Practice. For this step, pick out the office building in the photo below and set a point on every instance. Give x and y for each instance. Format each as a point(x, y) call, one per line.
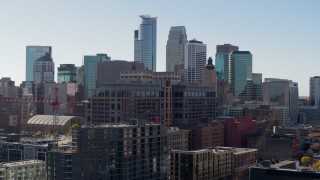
point(31, 169)
point(282, 92)
point(145, 42)
point(212, 163)
point(43, 70)
point(8, 88)
point(109, 71)
point(237, 130)
point(280, 115)
point(222, 60)
point(175, 49)
point(90, 72)
point(205, 135)
point(33, 53)
point(195, 61)
point(178, 138)
point(240, 74)
point(67, 73)
point(314, 91)
point(256, 86)
point(135, 150)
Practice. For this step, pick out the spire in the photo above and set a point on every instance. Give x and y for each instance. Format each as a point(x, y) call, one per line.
point(210, 66)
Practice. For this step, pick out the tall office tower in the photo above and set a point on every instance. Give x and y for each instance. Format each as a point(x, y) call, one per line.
point(134, 150)
point(33, 53)
point(222, 60)
point(67, 73)
point(257, 86)
point(314, 91)
point(90, 72)
point(176, 45)
point(282, 92)
point(43, 69)
point(7, 88)
point(80, 75)
point(196, 55)
point(145, 42)
point(240, 74)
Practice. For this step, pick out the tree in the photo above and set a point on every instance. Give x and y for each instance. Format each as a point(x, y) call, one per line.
point(305, 159)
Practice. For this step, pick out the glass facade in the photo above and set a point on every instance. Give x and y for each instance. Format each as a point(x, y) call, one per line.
point(222, 66)
point(240, 72)
point(175, 49)
point(33, 53)
point(43, 69)
point(67, 73)
point(90, 72)
point(145, 45)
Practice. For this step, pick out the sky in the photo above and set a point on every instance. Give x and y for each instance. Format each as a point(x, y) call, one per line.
point(283, 36)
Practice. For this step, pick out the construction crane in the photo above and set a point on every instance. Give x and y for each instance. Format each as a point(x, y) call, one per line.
point(55, 112)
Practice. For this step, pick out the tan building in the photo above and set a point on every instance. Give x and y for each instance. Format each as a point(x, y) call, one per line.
point(32, 169)
point(201, 164)
point(178, 138)
point(213, 163)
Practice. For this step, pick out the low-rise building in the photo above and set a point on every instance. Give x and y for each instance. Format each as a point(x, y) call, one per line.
point(32, 169)
point(178, 138)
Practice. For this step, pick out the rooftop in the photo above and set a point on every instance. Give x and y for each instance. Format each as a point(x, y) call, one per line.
point(21, 163)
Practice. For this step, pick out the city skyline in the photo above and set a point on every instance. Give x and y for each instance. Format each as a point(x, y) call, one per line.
point(282, 41)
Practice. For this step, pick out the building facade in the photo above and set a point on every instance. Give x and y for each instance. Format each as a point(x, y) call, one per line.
point(33, 53)
point(8, 88)
point(175, 49)
point(136, 150)
point(240, 74)
point(43, 70)
point(90, 72)
point(195, 61)
point(32, 169)
point(222, 60)
point(145, 42)
point(67, 73)
point(314, 91)
point(256, 86)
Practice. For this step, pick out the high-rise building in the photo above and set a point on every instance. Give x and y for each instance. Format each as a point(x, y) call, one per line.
point(282, 92)
point(67, 73)
point(7, 88)
point(90, 72)
point(210, 75)
point(240, 74)
point(134, 150)
point(314, 91)
point(43, 70)
point(257, 86)
point(33, 53)
point(195, 61)
point(222, 60)
point(176, 46)
point(145, 42)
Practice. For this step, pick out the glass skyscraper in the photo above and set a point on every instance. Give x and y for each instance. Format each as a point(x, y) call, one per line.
point(145, 42)
point(175, 49)
point(43, 70)
point(90, 72)
point(222, 60)
point(33, 53)
point(240, 73)
point(67, 73)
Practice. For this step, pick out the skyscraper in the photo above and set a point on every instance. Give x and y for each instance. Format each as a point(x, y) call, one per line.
point(222, 60)
point(90, 72)
point(282, 92)
point(196, 54)
point(145, 42)
point(240, 73)
point(7, 88)
point(33, 53)
point(176, 44)
point(314, 96)
point(67, 73)
point(257, 86)
point(43, 69)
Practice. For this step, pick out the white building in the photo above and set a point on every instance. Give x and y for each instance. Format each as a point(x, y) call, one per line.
point(195, 61)
point(32, 169)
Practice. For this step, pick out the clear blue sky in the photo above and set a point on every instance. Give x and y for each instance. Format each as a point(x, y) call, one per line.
point(283, 36)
